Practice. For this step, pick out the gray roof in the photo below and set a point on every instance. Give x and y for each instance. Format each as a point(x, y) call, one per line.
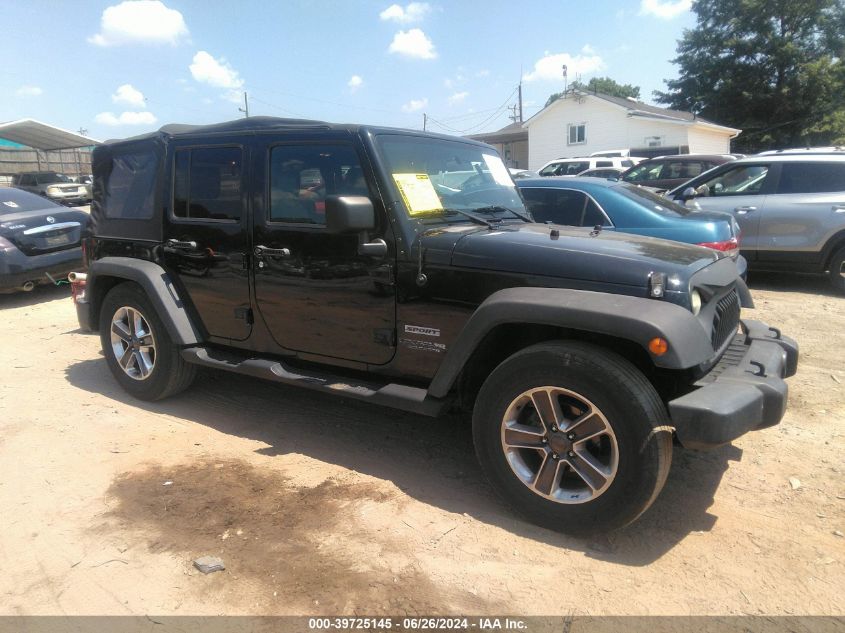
point(651, 110)
point(637, 108)
point(511, 132)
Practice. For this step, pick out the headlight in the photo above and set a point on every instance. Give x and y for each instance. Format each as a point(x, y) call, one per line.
point(53, 190)
point(695, 299)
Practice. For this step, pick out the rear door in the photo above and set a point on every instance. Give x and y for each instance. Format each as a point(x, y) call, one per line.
point(206, 239)
point(314, 291)
point(806, 208)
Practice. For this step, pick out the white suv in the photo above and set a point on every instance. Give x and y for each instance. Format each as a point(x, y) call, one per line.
point(574, 166)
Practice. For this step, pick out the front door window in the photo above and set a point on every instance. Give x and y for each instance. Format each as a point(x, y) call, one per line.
point(742, 180)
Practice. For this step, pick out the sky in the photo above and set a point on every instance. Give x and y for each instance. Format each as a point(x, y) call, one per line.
point(117, 69)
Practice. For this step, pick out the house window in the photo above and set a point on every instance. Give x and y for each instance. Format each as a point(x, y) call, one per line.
point(577, 133)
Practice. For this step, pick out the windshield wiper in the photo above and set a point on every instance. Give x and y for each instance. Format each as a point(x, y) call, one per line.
point(475, 218)
point(494, 208)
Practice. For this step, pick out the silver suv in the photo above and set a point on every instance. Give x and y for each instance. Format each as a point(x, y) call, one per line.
point(789, 205)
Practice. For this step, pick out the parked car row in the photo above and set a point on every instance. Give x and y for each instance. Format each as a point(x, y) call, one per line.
point(611, 205)
point(55, 186)
point(789, 204)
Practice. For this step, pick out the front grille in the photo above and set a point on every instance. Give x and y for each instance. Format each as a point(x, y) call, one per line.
point(726, 319)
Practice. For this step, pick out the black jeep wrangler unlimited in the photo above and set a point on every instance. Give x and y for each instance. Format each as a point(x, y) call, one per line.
point(402, 268)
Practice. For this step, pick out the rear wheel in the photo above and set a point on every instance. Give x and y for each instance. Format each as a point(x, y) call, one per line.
point(837, 270)
point(573, 436)
point(137, 347)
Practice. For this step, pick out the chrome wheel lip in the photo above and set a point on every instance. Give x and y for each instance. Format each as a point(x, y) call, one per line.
point(842, 269)
point(133, 343)
point(548, 451)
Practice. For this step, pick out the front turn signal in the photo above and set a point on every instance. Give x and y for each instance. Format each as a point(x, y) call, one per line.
point(658, 346)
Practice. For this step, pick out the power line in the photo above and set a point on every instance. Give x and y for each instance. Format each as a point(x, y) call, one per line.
point(498, 112)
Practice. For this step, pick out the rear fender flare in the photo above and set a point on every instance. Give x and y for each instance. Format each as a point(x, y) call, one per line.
point(155, 282)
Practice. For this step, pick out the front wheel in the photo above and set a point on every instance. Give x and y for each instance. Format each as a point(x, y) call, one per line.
point(572, 436)
point(138, 348)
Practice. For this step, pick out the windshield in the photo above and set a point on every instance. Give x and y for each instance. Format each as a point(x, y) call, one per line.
point(440, 178)
point(651, 200)
point(47, 179)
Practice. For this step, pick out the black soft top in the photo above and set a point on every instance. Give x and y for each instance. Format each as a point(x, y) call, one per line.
point(263, 124)
point(238, 126)
point(129, 173)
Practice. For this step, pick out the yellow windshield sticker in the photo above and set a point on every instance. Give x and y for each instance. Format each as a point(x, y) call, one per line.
point(418, 193)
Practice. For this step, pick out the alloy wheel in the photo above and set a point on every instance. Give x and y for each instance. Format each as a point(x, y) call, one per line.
point(560, 445)
point(132, 342)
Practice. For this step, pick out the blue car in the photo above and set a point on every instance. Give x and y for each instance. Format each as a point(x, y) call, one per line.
point(614, 205)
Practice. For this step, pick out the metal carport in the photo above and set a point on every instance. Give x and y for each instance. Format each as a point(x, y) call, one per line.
point(41, 136)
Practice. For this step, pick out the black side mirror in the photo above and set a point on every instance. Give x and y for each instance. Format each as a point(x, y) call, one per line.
point(687, 194)
point(349, 214)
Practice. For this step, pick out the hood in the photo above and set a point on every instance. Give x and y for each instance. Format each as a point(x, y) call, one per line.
point(567, 252)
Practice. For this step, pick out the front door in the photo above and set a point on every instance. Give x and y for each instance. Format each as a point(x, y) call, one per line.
point(205, 242)
point(316, 294)
point(741, 190)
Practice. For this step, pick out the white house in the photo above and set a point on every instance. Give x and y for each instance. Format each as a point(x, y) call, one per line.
point(580, 123)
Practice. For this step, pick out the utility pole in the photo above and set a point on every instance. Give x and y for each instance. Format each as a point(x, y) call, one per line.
point(513, 115)
point(245, 109)
point(520, 100)
point(425, 120)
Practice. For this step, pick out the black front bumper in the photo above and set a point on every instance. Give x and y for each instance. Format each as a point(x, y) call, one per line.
point(742, 392)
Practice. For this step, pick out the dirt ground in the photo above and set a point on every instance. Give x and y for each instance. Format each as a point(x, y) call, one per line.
point(320, 505)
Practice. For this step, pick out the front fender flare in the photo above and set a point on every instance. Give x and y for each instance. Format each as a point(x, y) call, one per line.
point(156, 284)
point(635, 319)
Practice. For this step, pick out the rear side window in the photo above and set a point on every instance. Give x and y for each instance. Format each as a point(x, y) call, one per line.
point(604, 163)
point(207, 183)
point(562, 206)
point(681, 169)
point(812, 178)
point(644, 171)
point(130, 188)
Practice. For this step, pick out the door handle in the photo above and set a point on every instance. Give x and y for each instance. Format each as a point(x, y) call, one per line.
point(182, 244)
point(744, 210)
point(839, 208)
point(376, 248)
point(266, 251)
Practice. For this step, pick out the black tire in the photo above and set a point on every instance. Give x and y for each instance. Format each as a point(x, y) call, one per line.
point(837, 270)
point(169, 374)
point(627, 404)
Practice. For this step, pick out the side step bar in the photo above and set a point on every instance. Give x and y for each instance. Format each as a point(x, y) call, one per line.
point(402, 397)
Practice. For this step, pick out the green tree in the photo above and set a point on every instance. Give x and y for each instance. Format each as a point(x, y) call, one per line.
point(773, 68)
point(604, 85)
